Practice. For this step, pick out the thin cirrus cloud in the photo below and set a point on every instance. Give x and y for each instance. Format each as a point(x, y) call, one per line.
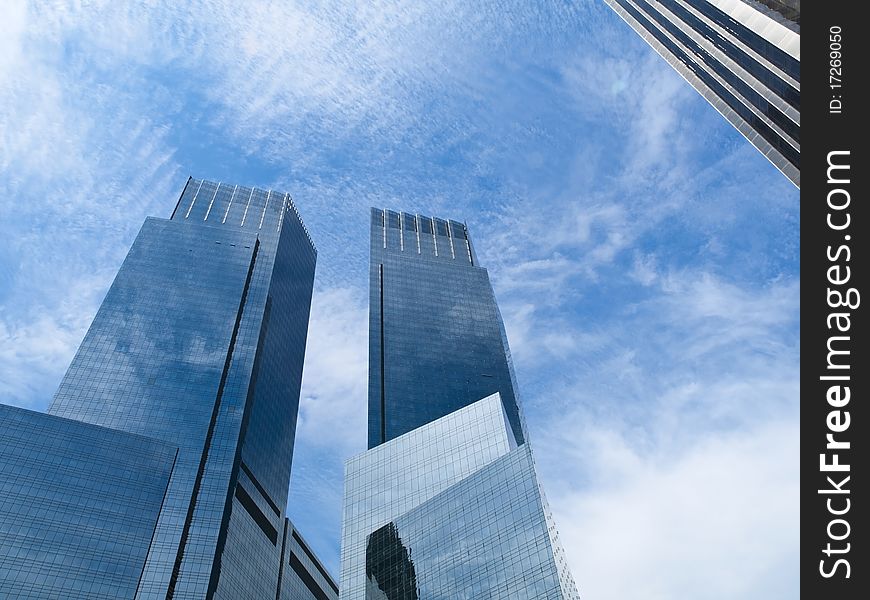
point(643, 254)
point(681, 433)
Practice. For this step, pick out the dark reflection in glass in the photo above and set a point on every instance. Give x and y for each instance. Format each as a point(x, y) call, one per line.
point(410, 221)
point(393, 219)
point(389, 568)
point(447, 468)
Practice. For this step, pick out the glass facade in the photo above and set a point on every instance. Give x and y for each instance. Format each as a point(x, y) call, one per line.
point(265, 375)
point(435, 332)
point(199, 344)
point(485, 537)
point(78, 507)
point(445, 503)
point(742, 56)
point(450, 510)
point(302, 575)
point(153, 361)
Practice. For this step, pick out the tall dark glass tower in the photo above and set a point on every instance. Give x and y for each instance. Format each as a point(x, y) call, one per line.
point(435, 332)
point(743, 56)
point(446, 502)
point(195, 359)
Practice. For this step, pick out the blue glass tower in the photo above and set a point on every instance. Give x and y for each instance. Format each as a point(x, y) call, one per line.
point(446, 501)
point(198, 348)
point(435, 332)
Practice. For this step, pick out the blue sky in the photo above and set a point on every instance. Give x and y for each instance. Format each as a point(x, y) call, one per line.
point(644, 255)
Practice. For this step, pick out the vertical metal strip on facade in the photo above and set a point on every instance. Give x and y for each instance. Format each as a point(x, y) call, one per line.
point(248, 205)
point(283, 210)
point(177, 204)
point(265, 208)
point(235, 189)
point(190, 208)
point(213, 196)
point(233, 195)
point(434, 237)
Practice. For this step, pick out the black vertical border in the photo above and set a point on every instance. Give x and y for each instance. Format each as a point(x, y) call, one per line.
point(825, 131)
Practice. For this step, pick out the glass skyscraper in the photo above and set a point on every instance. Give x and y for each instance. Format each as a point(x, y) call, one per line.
point(197, 351)
point(743, 56)
point(446, 502)
point(436, 338)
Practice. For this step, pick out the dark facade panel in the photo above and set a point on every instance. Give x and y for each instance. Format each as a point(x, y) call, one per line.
point(302, 575)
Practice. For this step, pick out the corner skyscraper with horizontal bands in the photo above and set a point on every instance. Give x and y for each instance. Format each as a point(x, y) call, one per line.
point(162, 468)
point(446, 502)
point(743, 56)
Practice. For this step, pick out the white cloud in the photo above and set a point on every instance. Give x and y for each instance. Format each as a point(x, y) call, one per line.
point(710, 316)
point(35, 351)
point(658, 144)
point(13, 28)
point(538, 337)
point(644, 269)
point(332, 421)
point(670, 454)
point(334, 401)
point(544, 274)
point(717, 520)
point(82, 166)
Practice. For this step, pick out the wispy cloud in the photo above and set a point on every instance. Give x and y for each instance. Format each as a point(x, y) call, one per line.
point(82, 165)
point(332, 421)
point(681, 431)
point(717, 520)
point(335, 381)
